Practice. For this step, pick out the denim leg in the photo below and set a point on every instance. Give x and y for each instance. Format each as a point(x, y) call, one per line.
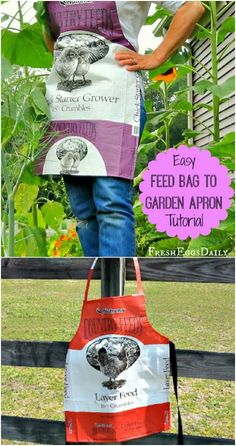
point(104, 211)
point(113, 201)
point(80, 194)
point(143, 116)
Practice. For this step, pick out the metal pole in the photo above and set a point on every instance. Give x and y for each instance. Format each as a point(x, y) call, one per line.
point(112, 276)
point(112, 280)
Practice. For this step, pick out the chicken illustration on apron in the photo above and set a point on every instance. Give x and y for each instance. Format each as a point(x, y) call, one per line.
point(111, 356)
point(94, 103)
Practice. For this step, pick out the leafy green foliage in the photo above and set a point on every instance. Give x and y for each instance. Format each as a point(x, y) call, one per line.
point(203, 34)
point(158, 14)
point(221, 91)
point(201, 87)
point(31, 242)
point(224, 150)
point(25, 197)
point(53, 213)
point(188, 134)
point(39, 103)
point(216, 240)
point(4, 17)
point(29, 177)
point(6, 68)
point(66, 245)
point(225, 89)
point(228, 26)
point(26, 48)
point(228, 225)
point(182, 105)
point(35, 218)
point(25, 117)
point(40, 11)
point(145, 232)
point(202, 105)
point(168, 247)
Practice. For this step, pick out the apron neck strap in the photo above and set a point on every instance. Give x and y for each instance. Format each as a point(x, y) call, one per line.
point(90, 275)
point(137, 272)
point(138, 275)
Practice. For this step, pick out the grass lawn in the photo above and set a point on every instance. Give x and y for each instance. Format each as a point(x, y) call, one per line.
point(194, 316)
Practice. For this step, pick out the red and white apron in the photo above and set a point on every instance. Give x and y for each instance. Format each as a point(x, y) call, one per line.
point(117, 372)
point(94, 103)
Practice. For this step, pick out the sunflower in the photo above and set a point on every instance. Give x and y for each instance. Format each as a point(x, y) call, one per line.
point(169, 76)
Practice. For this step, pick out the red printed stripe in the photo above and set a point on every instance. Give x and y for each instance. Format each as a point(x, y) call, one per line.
point(122, 426)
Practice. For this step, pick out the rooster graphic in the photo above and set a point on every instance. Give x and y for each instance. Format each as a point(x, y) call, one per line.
point(111, 356)
point(75, 59)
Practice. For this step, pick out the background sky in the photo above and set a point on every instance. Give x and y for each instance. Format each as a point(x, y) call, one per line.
point(146, 37)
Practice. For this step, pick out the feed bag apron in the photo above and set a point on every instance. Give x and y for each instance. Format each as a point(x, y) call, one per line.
point(94, 103)
point(117, 372)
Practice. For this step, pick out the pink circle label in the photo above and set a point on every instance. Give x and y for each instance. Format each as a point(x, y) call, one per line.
point(185, 192)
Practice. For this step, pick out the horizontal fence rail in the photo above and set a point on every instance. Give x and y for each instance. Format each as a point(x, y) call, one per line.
point(191, 363)
point(209, 270)
point(53, 432)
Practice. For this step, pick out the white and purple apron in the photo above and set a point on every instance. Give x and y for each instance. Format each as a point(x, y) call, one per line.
point(94, 103)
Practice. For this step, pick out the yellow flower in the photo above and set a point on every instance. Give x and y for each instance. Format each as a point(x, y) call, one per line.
point(169, 76)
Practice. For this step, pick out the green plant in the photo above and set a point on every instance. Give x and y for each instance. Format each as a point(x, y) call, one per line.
point(65, 245)
point(32, 206)
point(25, 116)
point(23, 125)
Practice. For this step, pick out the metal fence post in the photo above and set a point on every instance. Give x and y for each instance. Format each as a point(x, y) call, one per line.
point(112, 276)
point(112, 280)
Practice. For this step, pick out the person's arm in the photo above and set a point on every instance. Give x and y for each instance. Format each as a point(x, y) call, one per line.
point(180, 29)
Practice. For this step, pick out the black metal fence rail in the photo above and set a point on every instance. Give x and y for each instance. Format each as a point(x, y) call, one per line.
point(210, 270)
point(191, 363)
point(52, 432)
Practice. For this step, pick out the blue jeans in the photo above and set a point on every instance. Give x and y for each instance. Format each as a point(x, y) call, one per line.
point(104, 211)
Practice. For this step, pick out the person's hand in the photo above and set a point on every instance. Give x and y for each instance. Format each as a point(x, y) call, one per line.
point(134, 61)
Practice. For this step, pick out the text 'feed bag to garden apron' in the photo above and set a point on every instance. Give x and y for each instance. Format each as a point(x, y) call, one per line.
point(94, 103)
point(117, 372)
